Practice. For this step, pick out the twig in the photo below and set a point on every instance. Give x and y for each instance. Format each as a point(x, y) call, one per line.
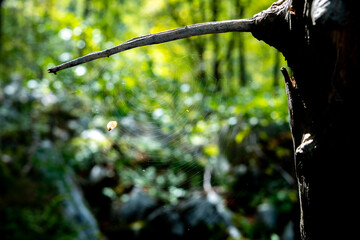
point(239, 25)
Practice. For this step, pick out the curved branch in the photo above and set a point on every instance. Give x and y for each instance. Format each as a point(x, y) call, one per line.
point(269, 25)
point(239, 25)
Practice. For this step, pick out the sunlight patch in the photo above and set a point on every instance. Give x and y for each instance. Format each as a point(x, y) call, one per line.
point(65, 34)
point(80, 70)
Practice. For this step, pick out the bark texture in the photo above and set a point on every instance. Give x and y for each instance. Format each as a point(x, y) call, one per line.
point(320, 40)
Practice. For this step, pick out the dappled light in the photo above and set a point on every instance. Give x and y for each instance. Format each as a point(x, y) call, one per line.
point(182, 140)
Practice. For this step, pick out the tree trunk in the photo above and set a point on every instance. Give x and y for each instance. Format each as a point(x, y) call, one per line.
point(1, 41)
point(239, 6)
point(321, 44)
point(215, 41)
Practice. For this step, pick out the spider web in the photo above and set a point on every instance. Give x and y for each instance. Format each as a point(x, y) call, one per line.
point(165, 114)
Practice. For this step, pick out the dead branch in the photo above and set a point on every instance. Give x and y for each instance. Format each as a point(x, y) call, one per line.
point(240, 25)
point(257, 24)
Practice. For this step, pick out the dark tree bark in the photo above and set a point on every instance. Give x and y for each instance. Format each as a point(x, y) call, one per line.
point(320, 41)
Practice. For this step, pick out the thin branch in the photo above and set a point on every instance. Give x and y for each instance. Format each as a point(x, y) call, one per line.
point(239, 25)
point(262, 26)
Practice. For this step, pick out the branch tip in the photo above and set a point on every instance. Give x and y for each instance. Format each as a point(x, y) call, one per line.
point(51, 70)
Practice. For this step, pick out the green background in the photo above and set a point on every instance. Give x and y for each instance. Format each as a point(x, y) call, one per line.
point(213, 104)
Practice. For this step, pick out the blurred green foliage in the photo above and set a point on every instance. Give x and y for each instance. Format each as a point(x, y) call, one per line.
point(210, 101)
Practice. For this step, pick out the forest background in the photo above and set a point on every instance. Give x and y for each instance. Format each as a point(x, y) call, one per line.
point(202, 146)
